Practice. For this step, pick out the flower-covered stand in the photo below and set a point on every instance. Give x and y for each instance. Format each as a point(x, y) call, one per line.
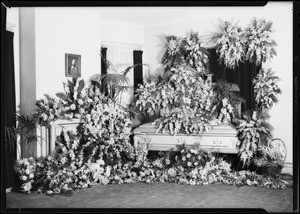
point(48, 134)
point(220, 138)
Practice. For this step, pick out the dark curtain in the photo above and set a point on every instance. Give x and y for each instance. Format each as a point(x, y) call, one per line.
point(138, 70)
point(103, 69)
point(241, 75)
point(8, 103)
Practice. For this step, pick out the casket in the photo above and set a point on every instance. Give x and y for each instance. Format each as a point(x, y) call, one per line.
point(220, 138)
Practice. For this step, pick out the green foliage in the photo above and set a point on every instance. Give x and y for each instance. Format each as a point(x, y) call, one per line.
point(25, 129)
point(114, 82)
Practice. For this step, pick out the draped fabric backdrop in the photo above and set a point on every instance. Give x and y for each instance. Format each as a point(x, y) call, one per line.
point(103, 68)
point(241, 75)
point(8, 103)
point(138, 70)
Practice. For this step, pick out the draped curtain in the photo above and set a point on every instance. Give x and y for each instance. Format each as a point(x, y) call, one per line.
point(103, 69)
point(138, 70)
point(242, 75)
point(8, 102)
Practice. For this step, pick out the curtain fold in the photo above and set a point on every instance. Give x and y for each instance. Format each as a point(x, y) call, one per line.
point(103, 89)
point(242, 75)
point(8, 102)
point(138, 70)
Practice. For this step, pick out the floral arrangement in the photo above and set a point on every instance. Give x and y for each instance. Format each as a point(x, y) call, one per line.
point(65, 169)
point(185, 51)
point(270, 157)
point(231, 44)
point(195, 56)
point(184, 102)
point(253, 132)
point(25, 168)
point(188, 164)
point(106, 131)
point(229, 91)
point(172, 57)
point(260, 46)
point(65, 105)
point(253, 43)
point(226, 113)
point(266, 88)
point(48, 110)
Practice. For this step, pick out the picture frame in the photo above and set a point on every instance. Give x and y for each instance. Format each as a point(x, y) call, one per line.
point(72, 65)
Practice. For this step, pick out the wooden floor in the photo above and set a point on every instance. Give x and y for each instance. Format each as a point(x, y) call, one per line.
point(161, 195)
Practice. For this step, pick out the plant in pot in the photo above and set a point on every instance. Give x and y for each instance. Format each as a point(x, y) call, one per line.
point(114, 84)
point(25, 130)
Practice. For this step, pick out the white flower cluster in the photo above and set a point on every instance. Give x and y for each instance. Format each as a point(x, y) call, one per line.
point(259, 42)
point(253, 43)
point(266, 89)
point(226, 112)
point(185, 51)
point(232, 45)
point(183, 102)
point(173, 46)
point(25, 168)
point(195, 57)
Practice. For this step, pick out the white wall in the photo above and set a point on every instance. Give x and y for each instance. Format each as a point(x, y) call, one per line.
point(122, 32)
point(203, 20)
point(65, 30)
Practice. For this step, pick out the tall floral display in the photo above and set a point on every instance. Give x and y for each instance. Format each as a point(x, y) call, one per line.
point(184, 102)
point(230, 44)
point(185, 51)
point(235, 44)
point(266, 89)
point(260, 45)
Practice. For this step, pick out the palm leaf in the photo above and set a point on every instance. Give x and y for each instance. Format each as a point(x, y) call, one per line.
point(61, 95)
point(115, 79)
point(96, 78)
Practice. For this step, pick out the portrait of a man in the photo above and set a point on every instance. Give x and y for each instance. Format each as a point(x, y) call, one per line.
point(73, 62)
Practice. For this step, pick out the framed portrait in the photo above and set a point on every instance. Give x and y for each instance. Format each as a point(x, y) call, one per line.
point(73, 65)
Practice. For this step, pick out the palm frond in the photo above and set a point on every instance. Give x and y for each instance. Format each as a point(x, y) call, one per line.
point(107, 63)
point(115, 79)
point(80, 85)
point(96, 78)
point(61, 95)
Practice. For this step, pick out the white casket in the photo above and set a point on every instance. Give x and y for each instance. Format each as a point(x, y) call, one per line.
point(221, 138)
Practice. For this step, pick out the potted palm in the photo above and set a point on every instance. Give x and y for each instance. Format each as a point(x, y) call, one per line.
point(114, 84)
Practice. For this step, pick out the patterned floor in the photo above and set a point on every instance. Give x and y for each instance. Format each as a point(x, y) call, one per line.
point(161, 195)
